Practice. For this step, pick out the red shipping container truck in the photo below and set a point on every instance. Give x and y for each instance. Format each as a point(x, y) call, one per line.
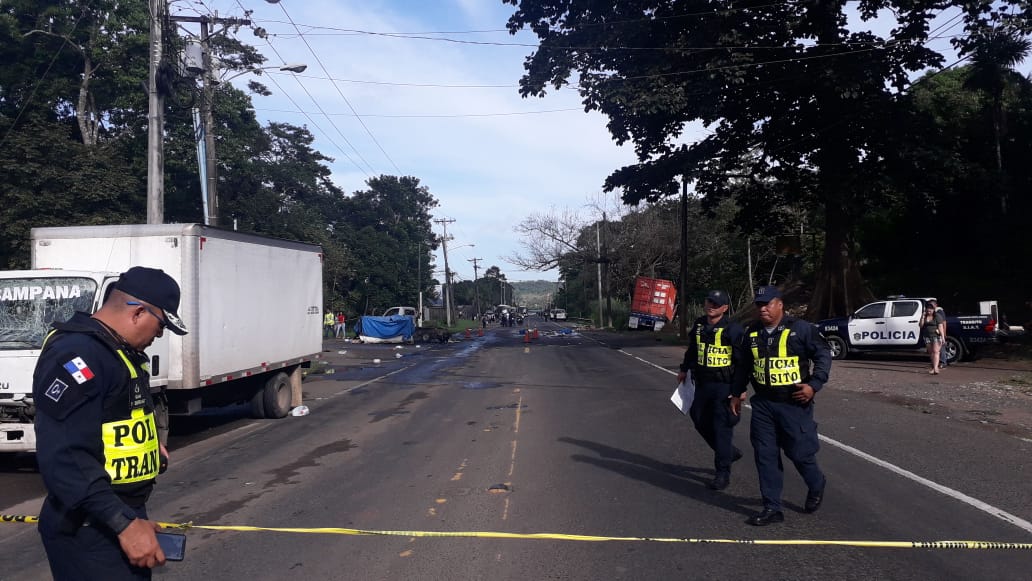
point(652, 304)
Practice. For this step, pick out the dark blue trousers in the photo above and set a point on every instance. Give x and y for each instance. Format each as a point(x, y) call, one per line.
point(787, 426)
point(91, 553)
point(714, 421)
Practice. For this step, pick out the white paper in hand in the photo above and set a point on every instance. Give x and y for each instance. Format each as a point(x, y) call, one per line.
point(684, 395)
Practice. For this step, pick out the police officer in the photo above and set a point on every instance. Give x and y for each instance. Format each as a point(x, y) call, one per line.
point(97, 439)
point(715, 355)
point(781, 350)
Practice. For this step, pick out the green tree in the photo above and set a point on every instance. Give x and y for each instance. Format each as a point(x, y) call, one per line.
point(388, 232)
point(994, 56)
point(799, 107)
point(945, 214)
point(63, 154)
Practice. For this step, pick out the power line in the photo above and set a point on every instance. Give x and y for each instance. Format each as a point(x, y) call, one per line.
point(441, 116)
point(341, 93)
point(324, 113)
point(321, 130)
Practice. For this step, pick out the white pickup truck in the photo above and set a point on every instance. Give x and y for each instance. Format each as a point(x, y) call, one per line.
point(894, 325)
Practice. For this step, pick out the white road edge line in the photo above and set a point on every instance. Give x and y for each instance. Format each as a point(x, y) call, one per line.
point(954, 494)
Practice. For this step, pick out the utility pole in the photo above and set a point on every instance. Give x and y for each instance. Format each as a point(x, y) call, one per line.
point(683, 311)
point(211, 199)
point(476, 277)
point(447, 272)
point(207, 108)
point(605, 254)
point(155, 121)
point(598, 269)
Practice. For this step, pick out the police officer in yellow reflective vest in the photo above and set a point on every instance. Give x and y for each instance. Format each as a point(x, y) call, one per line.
point(97, 439)
point(781, 350)
point(716, 357)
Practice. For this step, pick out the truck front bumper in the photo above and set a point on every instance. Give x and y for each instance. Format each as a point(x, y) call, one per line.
point(17, 438)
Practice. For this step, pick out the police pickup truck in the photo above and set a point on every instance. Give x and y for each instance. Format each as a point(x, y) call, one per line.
point(894, 325)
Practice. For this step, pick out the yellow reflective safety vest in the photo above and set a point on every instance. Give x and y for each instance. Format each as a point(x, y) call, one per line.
point(131, 443)
point(775, 367)
point(715, 354)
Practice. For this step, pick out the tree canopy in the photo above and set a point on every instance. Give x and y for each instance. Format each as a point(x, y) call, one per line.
point(799, 108)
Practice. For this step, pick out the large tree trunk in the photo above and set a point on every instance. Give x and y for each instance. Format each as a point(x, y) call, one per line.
point(839, 289)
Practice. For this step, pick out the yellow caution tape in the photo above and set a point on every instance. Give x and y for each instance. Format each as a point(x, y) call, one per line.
point(587, 538)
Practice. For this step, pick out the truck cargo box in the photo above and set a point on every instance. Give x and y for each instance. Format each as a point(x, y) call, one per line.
point(652, 304)
point(252, 304)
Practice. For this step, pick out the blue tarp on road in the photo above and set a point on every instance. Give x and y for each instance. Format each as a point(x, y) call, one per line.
point(386, 329)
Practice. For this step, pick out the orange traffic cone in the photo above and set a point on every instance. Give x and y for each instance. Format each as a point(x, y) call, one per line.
point(480, 332)
point(469, 333)
point(536, 334)
point(526, 337)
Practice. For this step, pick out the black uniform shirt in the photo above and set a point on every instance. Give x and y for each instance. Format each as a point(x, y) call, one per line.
point(75, 374)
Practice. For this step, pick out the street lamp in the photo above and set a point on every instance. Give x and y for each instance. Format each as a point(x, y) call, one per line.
point(206, 131)
point(291, 68)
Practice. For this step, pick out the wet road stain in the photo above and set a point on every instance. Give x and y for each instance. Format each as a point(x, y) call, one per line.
point(511, 406)
point(283, 474)
point(481, 385)
point(216, 513)
point(380, 415)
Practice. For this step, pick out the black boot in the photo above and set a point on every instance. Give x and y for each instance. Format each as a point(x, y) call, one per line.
point(720, 481)
point(768, 516)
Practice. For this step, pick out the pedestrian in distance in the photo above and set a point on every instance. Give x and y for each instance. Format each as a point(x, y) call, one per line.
point(98, 445)
point(328, 321)
point(933, 330)
point(340, 331)
point(790, 363)
point(943, 359)
point(715, 357)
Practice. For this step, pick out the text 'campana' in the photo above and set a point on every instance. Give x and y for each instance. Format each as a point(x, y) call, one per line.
point(28, 293)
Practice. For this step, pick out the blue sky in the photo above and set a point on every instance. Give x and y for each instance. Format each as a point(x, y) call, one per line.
point(488, 165)
point(489, 156)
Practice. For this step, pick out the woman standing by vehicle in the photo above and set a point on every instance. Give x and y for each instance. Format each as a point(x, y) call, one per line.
point(933, 329)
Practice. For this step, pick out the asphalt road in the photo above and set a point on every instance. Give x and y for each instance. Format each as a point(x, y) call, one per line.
point(570, 434)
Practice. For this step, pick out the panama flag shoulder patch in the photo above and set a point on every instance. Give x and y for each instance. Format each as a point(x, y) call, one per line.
point(79, 371)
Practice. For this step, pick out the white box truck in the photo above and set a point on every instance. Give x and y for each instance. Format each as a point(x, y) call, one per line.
point(252, 304)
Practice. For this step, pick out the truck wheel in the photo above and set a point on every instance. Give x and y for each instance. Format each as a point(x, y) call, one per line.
point(426, 337)
point(277, 396)
point(954, 349)
point(839, 349)
point(258, 404)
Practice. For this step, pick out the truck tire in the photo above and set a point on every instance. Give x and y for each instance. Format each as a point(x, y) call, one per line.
point(954, 349)
point(258, 404)
point(839, 349)
point(426, 337)
point(276, 396)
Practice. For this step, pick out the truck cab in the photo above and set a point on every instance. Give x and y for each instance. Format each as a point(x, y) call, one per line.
point(895, 324)
point(30, 302)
